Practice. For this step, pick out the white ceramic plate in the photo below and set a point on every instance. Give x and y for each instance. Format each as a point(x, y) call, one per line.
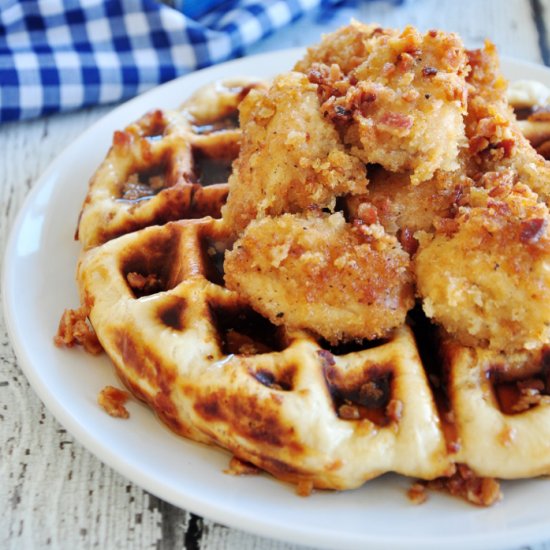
point(39, 284)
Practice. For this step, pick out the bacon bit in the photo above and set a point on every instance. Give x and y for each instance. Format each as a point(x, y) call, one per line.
point(501, 208)
point(531, 384)
point(408, 241)
point(478, 144)
point(371, 392)
point(507, 145)
point(315, 74)
point(238, 467)
point(367, 213)
point(74, 330)
point(304, 488)
point(433, 33)
point(532, 230)
point(143, 284)
point(396, 120)
point(368, 96)
point(447, 226)
point(349, 412)
point(395, 410)
point(530, 395)
point(405, 61)
point(500, 191)
point(112, 401)
point(417, 493)
point(482, 491)
point(486, 127)
point(429, 71)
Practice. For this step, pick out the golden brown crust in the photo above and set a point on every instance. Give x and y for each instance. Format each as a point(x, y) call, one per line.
point(291, 157)
point(495, 137)
point(319, 273)
point(401, 207)
point(484, 274)
point(401, 104)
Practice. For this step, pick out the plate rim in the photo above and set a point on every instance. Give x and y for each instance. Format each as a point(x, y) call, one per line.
point(218, 513)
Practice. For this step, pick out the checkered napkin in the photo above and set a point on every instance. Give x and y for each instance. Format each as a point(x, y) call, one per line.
point(58, 55)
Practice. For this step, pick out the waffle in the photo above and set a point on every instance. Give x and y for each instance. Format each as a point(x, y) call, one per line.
point(500, 410)
point(297, 409)
point(416, 401)
point(233, 379)
point(168, 165)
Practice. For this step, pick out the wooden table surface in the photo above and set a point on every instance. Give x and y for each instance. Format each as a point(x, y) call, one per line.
point(53, 492)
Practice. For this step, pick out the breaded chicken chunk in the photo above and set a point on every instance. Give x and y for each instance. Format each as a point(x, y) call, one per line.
point(485, 275)
point(291, 157)
point(319, 273)
point(403, 208)
point(494, 135)
point(397, 98)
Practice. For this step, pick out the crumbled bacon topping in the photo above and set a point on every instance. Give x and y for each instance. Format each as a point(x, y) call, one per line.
point(408, 241)
point(145, 284)
point(396, 120)
point(530, 394)
point(238, 467)
point(304, 488)
point(112, 401)
point(74, 330)
point(417, 493)
point(349, 412)
point(464, 483)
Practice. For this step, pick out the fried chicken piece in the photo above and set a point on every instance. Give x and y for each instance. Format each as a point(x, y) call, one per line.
point(403, 208)
point(485, 275)
point(291, 157)
point(402, 104)
point(319, 273)
point(347, 47)
point(495, 137)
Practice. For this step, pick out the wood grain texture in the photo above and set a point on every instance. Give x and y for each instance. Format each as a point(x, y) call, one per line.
point(53, 493)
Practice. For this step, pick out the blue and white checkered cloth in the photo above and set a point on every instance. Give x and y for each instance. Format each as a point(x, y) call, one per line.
point(58, 55)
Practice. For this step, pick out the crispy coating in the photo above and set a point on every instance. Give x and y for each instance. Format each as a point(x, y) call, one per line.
point(319, 273)
point(401, 207)
point(495, 138)
point(485, 275)
point(346, 47)
point(291, 157)
point(398, 98)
